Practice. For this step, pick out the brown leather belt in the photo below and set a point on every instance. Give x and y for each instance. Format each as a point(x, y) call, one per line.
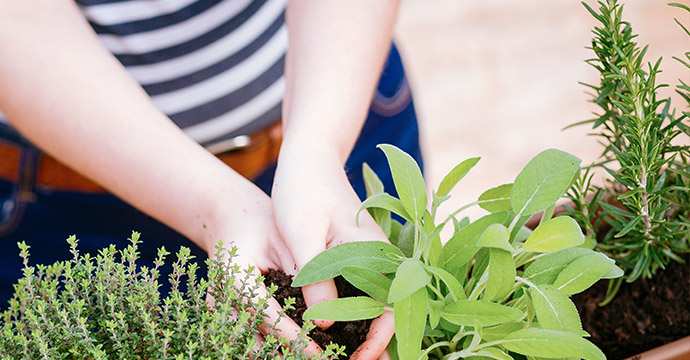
point(251, 155)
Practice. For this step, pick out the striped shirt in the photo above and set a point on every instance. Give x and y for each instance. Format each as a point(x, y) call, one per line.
point(215, 67)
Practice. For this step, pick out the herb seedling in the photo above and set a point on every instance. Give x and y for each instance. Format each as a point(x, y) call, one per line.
point(646, 204)
point(493, 290)
point(108, 307)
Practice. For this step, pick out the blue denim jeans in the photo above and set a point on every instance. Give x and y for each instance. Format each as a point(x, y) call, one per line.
point(44, 219)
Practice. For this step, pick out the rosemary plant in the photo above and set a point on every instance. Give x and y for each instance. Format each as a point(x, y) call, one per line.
point(645, 202)
point(108, 307)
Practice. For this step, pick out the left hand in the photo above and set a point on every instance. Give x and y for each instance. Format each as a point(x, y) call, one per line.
point(314, 207)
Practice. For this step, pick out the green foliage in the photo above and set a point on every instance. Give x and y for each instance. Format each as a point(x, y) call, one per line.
point(494, 291)
point(108, 307)
point(640, 217)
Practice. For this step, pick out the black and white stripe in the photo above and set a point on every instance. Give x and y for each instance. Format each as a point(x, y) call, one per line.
point(215, 67)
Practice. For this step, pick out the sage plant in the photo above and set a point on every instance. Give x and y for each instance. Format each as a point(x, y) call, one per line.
point(493, 290)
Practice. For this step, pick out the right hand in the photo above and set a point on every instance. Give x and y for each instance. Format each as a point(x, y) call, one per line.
point(253, 231)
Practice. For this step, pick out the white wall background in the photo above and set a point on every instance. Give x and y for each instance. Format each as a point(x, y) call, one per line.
point(499, 79)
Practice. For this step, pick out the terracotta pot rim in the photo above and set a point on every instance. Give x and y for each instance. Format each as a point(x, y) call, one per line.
point(677, 350)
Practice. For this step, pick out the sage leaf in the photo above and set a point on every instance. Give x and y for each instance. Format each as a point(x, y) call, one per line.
point(551, 344)
point(406, 239)
point(583, 273)
point(462, 246)
point(374, 255)
point(555, 234)
point(543, 181)
point(454, 287)
point(554, 309)
point(409, 277)
point(345, 309)
point(455, 175)
point(499, 332)
point(384, 201)
point(496, 199)
point(393, 348)
point(496, 236)
point(613, 272)
point(373, 186)
point(410, 318)
point(466, 312)
point(372, 183)
point(501, 275)
point(371, 282)
point(492, 353)
point(434, 307)
point(545, 269)
point(408, 180)
point(432, 247)
point(395, 232)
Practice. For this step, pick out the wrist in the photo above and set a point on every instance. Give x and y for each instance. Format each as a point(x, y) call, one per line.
point(228, 203)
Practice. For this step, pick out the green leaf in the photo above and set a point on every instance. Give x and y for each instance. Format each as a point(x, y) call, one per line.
point(455, 175)
point(551, 344)
point(491, 353)
point(435, 252)
point(374, 186)
point(384, 201)
point(408, 180)
point(554, 309)
point(501, 275)
point(371, 282)
point(453, 285)
point(431, 245)
point(466, 312)
point(406, 239)
point(501, 331)
point(409, 277)
point(374, 255)
point(496, 199)
point(583, 273)
point(496, 236)
point(372, 183)
point(545, 269)
point(556, 234)
point(590, 243)
point(463, 245)
point(345, 309)
point(393, 348)
point(613, 272)
point(434, 307)
point(543, 181)
point(410, 318)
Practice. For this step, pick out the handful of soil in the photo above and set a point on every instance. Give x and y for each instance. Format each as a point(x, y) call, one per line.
point(350, 334)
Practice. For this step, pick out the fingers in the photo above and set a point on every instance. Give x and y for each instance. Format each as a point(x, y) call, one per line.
point(315, 293)
point(285, 326)
point(302, 252)
point(385, 356)
point(378, 337)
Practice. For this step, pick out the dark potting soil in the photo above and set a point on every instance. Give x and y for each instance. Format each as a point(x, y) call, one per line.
point(645, 314)
point(349, 334)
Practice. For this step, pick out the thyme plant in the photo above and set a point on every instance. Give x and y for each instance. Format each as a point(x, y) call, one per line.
point(108, 307)
point(640, 216)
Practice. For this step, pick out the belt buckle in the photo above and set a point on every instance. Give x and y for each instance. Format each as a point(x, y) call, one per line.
point(229, 145)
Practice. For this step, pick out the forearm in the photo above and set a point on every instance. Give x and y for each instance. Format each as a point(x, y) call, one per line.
point(71, 98)
point(336, 54)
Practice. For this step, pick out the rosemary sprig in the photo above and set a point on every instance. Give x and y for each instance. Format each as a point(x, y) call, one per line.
point(646, 200)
